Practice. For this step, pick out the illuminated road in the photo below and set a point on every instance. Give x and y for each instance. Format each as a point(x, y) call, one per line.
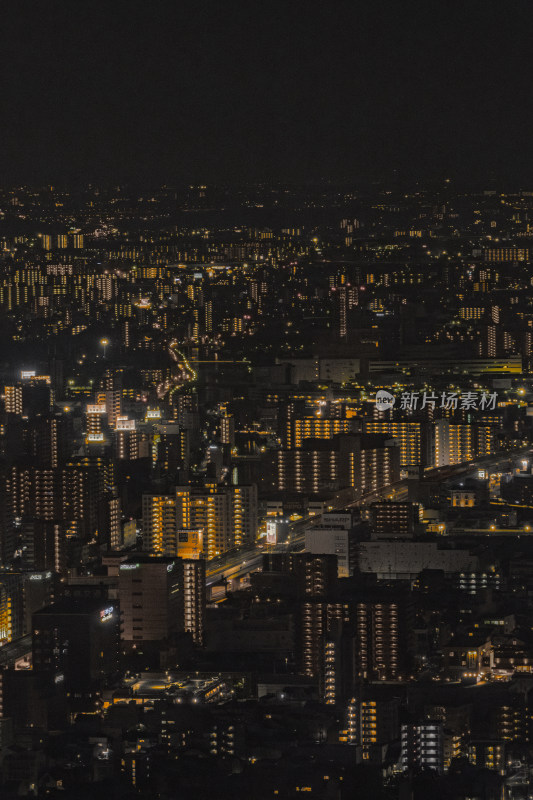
point(182, 373)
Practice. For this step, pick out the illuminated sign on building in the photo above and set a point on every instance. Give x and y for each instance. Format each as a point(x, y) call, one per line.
point(106, 614)
point(95, 437)
point(125, 424)
point(153, 413)
point(272, 532)
point(96, 409)
point(31, 375)
point(276, 530)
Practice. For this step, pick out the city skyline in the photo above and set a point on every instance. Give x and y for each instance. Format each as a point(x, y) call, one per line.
point(266, 401)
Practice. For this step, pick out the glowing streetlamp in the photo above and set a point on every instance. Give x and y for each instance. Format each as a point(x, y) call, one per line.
point(104, 343)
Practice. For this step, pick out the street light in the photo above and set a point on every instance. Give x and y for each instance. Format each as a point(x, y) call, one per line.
point(104, 343)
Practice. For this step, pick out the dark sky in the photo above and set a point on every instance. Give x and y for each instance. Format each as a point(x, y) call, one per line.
point(288, 91)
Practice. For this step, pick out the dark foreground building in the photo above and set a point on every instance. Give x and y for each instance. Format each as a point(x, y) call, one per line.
point(77, 640)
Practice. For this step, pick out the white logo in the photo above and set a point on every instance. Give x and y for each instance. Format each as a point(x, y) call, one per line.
point(454, 401)
point(384, 400)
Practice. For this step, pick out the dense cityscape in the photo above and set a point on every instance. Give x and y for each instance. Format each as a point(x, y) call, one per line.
point(266, 505)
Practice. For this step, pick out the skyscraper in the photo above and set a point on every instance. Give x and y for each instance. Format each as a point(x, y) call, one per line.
point(161, 597)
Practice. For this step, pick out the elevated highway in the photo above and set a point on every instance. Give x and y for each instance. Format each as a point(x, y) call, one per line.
point(236, 564)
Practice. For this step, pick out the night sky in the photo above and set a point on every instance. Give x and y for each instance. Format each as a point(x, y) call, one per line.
point(283, 91)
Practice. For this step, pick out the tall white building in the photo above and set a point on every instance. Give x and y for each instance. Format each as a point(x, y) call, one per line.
point(422, 746)
point(335, 535)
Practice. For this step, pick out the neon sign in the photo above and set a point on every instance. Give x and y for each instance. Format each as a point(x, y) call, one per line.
point(106, 614)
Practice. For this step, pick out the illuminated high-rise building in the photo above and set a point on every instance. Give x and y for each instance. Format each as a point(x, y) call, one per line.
point(160, 597)
point(456, 443)
point(371, 721)
point(318, 465)
point(392, 520)
point(95, 423)
point(487, 345)
point(44, 544)
point(113, 405)
point(113, 522)
point(487, 754)
point(11, 606)
point(47, 440)
point(7, 528)
point(13, 399)
point(413, 438)
point(383, 624)
point(316, 574)
point(208, 316)
point(365, 463)
point(192, 597)
point(379, 464)
point(129, 443)
point(317, 427)
point(316, 580)
point(127, 337)
point(227, 515)
point(160, 528)
point(422, 746)
point(312, 626)
point(126, 444)
point(227, 429)
point(34, 492)
point(347, 298)
point(83, 495)
point(172, 447)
